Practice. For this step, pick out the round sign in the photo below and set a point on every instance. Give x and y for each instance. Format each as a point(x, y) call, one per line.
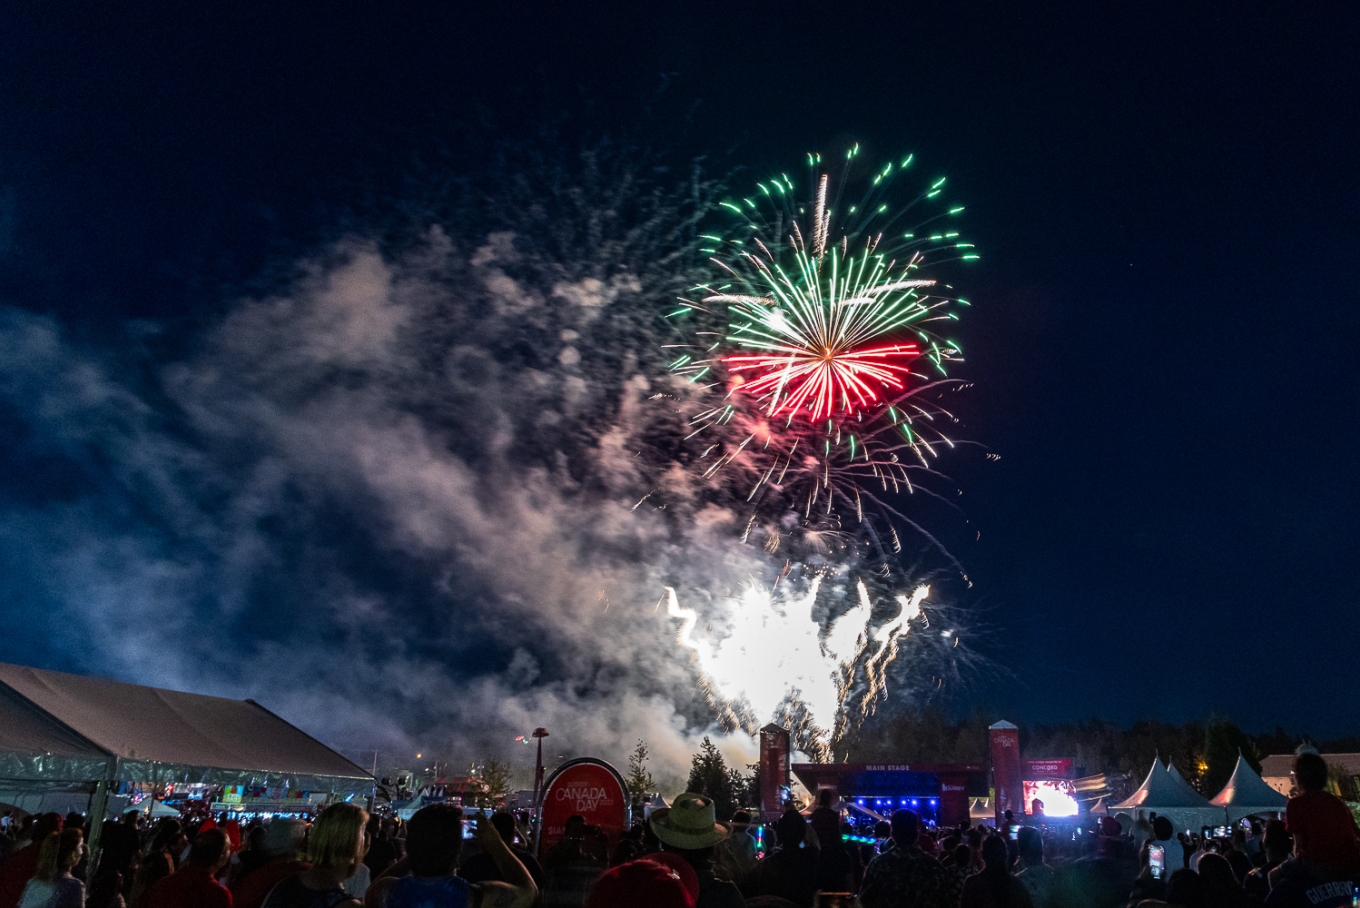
point(591, 789)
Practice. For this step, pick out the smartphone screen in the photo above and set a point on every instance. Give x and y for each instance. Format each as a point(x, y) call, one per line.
point(1014, 832)
point(1157, 860)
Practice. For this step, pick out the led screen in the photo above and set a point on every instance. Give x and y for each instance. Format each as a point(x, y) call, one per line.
point(1058, 798)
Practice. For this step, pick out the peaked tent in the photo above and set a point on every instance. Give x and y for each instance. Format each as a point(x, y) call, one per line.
point(1247, 794)
point(68, 733)
point(1165, 793)
point(158, 735)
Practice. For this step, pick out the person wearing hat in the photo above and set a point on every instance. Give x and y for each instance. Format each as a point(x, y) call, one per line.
point(661, 880)
point(690, 829)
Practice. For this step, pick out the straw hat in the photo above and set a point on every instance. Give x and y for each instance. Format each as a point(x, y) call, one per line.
point(689, 823)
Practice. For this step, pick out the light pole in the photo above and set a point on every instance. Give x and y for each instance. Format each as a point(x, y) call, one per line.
point(540, 734)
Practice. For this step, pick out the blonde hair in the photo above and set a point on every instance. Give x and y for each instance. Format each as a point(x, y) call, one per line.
point(56, 848)
point(47, 870)
point(337, 837)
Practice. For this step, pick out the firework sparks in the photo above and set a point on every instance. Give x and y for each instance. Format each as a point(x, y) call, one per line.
point(774, 650)
point(828, 354)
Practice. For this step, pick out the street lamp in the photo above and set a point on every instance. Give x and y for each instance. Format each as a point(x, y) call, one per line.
point(540, 734)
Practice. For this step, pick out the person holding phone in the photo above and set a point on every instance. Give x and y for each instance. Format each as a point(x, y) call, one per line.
point(1157, 861)
point(1173, 852)
point(434, 843)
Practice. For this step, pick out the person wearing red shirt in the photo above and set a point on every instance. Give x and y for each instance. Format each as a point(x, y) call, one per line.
point(1325, 833)
point(283, 839)
point(19, 868)
point(195, 884)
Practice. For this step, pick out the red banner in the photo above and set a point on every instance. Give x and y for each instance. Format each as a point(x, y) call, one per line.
point(589, 788)
point(1006, 770)
point(1044, 770)
point(774, 772)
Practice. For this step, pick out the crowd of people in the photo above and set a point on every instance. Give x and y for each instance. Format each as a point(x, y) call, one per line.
point(683, 857)
point(1311, 858)
point(343, 859)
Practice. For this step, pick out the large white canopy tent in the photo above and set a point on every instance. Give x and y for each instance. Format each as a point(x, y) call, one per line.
point(1167, 794)
point(62, 733)
point(1247, 794)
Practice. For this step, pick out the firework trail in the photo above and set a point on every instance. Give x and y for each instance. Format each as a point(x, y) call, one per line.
point(824, 348)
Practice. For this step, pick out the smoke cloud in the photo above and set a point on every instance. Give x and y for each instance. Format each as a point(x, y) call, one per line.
point(421, 495)
point(394, 501)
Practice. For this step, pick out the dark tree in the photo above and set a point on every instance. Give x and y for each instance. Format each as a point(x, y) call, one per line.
point(710, 776)
point(1223, 741)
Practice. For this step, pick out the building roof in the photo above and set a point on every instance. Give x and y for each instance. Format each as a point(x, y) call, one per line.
point(1281, 766)
point(160, 735)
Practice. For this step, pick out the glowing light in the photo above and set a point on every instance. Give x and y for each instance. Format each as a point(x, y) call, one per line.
point(1057, 797)
point(774, 648)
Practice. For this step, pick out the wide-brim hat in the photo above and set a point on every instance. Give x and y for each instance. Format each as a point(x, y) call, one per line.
point(691, 822)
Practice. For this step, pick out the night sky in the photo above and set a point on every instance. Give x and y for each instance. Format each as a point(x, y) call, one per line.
point(1163, 340)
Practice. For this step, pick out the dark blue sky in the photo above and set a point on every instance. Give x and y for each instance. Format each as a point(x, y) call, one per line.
point(1167, 197)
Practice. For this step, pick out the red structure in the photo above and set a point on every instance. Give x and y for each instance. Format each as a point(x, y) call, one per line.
point(1007, 779)
point(940, 792)
point(774, 771)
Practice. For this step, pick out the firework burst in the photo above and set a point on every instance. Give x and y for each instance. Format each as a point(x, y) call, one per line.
point(825, 341)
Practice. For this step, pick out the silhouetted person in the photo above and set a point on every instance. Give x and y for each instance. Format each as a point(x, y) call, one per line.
point(1038, 877)
point(481, 867)
point(196, 882)
point(791, 871)
point(434, 843)
point(903, 876)
point(19, 867)
point(1275, 845)
point(994, 887)
point(689, 828)
point(1325, 833)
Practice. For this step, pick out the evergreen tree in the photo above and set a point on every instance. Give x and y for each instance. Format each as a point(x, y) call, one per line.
point(1223, 740)
point(640, 783)
point(495, 783)
point(709, 776)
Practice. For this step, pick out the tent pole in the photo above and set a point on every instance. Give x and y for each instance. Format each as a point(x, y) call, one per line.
point(96, 825)
point(98, 809)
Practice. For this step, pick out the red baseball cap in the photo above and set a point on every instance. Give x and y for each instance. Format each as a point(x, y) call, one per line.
point(645, 881)
point(680, 866)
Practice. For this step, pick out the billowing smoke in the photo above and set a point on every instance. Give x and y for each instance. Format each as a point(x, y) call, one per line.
point(427, 492)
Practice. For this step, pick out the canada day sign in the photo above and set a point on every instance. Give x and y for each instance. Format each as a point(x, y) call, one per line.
point(588, 788)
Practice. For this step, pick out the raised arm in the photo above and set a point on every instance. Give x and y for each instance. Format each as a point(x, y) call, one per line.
point(519, 890)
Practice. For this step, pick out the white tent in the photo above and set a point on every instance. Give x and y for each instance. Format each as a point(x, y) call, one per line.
point(1166, 794)
point(159, 809)
point(63, 735)
point(1247, 794)
point(1098, 809)
point(981, 812)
